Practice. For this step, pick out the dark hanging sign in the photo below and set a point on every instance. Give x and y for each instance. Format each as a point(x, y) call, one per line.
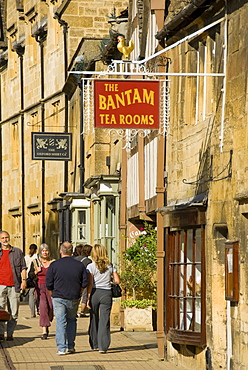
point(51, 146)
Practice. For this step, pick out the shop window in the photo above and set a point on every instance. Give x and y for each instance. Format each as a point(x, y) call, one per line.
point(186, 286)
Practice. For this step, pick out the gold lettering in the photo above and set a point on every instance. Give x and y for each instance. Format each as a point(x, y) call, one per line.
point(151, 120)
point(122, 119)
point(148, 97)
point(113, 120)
point(144, 120)
point(110, 103)
point(101, 118)
point(111, 87)
point(128, 93)
point(107, 119)
point(120, 99)
point(128, 97)
point(129, 119)
point(136, 96)
point(136, 119)
point(102, 102)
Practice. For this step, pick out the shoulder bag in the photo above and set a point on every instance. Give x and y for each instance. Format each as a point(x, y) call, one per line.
point(116, 290)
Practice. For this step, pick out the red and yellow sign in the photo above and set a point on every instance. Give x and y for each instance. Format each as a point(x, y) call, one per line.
point(126, 104)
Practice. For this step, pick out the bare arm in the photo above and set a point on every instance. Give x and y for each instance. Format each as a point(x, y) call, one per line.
point(24, 279)
point(89, 289)
point(116, 276)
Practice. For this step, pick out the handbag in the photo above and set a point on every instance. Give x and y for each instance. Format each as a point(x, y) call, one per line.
point(116, 290)
point(30, 283)
point(32, 278)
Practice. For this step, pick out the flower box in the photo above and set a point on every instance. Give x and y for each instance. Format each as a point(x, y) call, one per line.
point(138, 319)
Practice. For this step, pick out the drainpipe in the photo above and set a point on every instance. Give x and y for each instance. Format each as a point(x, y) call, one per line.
point(160, 189)
point(228, 335)
point(22, 157)
point(65, 30)
point(66, 214)
point(1, 168)
point(224, 83)
point(19, 49)
point(82, 147)
point(123, 219)
point(161, 247)
point(39, 37)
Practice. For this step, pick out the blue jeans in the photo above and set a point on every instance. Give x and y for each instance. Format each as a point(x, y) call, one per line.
point(65, 312)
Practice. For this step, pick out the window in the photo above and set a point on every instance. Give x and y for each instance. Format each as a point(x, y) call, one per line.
point(80, 221)
point(232, 270)
point(107, 209)
point(81, 227)
point(186, 286)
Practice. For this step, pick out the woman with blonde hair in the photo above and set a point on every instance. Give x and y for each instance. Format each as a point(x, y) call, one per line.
point(99, 297)
point(39, 269)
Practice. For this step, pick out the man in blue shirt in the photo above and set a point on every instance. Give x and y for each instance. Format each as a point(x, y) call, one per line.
point(65, 279)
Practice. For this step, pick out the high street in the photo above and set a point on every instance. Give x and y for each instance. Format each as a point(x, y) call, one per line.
point(128, 350)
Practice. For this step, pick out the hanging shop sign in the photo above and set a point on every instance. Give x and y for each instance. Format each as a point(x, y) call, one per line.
point(51, 146)
point(126, 104)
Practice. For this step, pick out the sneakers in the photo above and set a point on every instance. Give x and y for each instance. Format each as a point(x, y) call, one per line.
point(102, 352)
point(71, 350)
point(60, 353)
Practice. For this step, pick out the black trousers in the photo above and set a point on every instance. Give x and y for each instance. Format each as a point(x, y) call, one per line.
point(99, 329)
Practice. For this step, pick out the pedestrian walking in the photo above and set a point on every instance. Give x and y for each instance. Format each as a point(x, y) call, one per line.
point(39, 268)
point(84, 253)
point(100, 274)
point(65, 280)
point(77, 251)
point(32, 255)
point(13, 276)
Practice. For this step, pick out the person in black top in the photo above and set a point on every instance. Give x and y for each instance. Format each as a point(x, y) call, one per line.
point(84, 253)
point(65, 279)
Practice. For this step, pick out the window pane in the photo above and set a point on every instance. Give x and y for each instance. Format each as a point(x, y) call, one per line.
point(198, 315)
point(81, 217)
point(81, 225)
point(185, 265)
point(189, 314)
point(189, 280)
point(190, 245)
point(110, 216)
point(182, 246)
point(182, 279)
point(198, 245)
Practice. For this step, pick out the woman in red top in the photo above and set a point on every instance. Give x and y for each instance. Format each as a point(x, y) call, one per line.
point(43, 297)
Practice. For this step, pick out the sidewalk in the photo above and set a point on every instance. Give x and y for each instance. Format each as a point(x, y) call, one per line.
point(130, 350)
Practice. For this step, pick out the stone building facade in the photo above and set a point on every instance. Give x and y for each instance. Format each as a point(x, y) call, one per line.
point(41, 42)
point(205, 218)
point(202, 289)
point(190, 182)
